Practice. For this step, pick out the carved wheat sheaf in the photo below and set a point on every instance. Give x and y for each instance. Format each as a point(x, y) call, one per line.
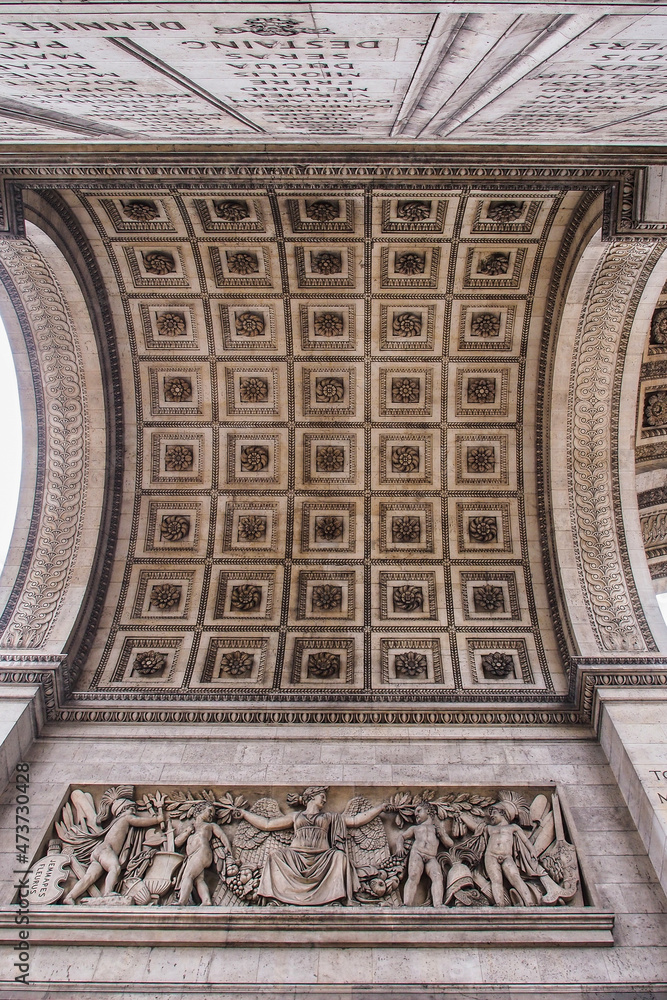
point(589, 469)
point(65, 445)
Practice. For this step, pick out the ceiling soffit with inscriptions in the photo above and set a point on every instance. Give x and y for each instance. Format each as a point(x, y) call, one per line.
point(519, 72)
point(331, 491)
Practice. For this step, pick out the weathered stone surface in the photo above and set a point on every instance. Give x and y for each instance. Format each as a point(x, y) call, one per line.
point(511, 75)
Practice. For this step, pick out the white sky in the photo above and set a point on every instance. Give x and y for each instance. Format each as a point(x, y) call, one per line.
point(662, 604)
point(11, 447)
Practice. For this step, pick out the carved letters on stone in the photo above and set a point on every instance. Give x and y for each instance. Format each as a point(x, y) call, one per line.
point(435, 847)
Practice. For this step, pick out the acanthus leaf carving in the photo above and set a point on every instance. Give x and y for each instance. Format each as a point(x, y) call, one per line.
point(590, 478)
point(46, 312)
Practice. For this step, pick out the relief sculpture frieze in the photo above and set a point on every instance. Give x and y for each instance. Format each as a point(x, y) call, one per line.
point(318, 847)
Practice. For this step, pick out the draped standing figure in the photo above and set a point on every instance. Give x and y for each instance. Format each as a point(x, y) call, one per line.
point(314, 869)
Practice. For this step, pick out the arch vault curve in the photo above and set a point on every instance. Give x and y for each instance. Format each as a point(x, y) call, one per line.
point(53, 550)
point(601, 564)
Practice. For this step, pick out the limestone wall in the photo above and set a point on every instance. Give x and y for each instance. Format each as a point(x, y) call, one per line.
point(619, 875)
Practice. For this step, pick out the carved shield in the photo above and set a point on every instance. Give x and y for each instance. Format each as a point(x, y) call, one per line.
point(47, 878)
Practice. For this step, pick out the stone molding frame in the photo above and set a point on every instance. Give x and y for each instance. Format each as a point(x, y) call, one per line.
point(47, 590)
point(590, 419)
point(590, 541)
point(630, 205)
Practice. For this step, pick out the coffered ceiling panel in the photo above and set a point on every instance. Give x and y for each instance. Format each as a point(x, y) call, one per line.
point(330, 489)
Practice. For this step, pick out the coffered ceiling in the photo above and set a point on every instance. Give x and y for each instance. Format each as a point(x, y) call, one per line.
point(330, 396)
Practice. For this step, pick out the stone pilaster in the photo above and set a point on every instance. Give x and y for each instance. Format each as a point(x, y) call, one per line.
point(632, 726)
point(21, 719)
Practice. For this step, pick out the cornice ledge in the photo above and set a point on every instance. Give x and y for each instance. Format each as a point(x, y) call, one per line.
point(48, 670)
point(289, 926)
point(588, 674)
point(628, 208)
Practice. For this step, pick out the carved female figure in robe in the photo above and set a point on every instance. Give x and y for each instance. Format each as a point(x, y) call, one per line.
point(314, 869)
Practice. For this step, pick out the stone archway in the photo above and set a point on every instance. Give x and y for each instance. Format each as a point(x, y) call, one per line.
point(57, 533)
point(601, 564)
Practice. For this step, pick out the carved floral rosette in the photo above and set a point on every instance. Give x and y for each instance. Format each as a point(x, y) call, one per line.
point(367, 847)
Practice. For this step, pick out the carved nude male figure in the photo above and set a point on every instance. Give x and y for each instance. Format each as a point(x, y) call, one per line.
point(504, 839)
point(104, 857)
point(499, 859)
point(198, 832)
point(426, 836)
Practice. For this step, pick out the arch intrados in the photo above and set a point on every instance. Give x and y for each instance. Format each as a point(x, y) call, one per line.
point(53, 553)
point(627, 297)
